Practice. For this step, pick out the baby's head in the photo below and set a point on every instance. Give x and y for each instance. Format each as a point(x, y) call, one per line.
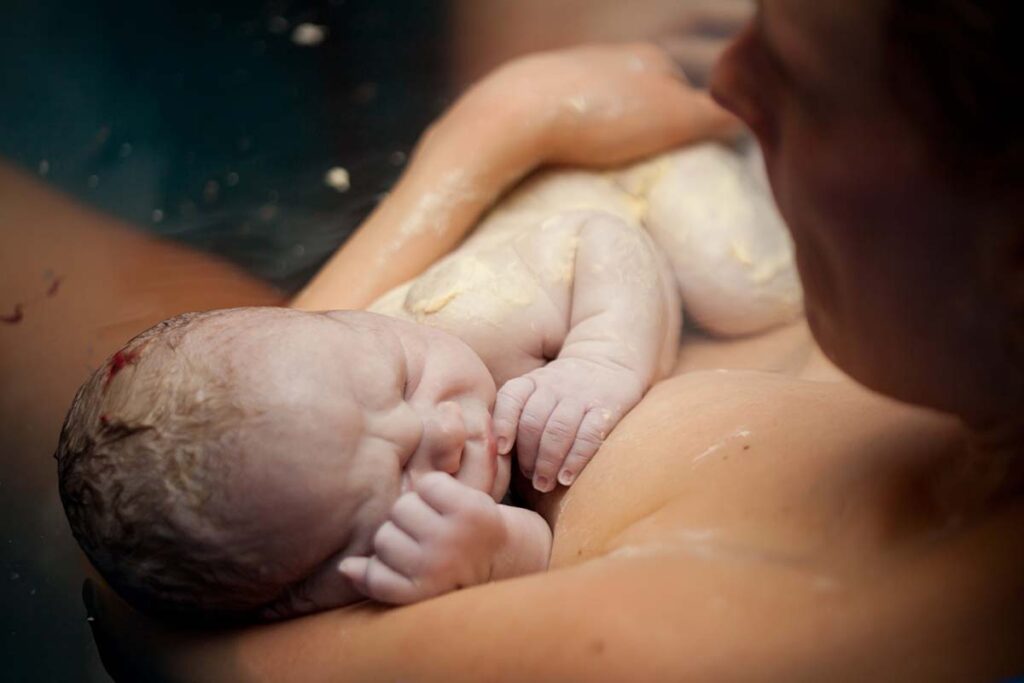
point(223, 463)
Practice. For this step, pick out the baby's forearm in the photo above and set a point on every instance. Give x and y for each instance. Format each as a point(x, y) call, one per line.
point(527, 549)
point(625, 309)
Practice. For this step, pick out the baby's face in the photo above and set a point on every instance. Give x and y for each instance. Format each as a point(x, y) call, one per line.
point(345, 410)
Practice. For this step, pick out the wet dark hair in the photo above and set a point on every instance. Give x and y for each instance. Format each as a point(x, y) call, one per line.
point(951, 68)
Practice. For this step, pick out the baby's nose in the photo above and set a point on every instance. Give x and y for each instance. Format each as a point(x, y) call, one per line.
point(445, 435)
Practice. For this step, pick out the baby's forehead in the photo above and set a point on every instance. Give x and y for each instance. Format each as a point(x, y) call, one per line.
point(299, 357)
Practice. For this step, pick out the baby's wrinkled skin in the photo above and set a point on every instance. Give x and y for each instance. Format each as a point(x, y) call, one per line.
point(282, 462)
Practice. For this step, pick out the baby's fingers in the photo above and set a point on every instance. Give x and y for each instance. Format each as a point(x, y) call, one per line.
point(397, 549)
point(379, 582)
point(354, 569)
point(558, 437)
point(447, 495)
point(589, 438)
point(535, 417)
point(508, 407)
point(416, 517)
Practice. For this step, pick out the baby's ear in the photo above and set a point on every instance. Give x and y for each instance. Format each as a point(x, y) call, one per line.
point(326, 588)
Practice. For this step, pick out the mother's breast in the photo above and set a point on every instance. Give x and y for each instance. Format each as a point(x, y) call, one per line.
point(752, 465)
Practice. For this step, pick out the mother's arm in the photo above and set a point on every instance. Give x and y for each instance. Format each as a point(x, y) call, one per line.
point(602, 621)
point(598, 105)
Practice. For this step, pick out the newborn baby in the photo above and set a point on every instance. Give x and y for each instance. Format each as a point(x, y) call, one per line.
point(271, 462)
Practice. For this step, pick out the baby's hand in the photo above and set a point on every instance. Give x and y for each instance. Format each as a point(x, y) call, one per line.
point(441, 537)
point(559, 415)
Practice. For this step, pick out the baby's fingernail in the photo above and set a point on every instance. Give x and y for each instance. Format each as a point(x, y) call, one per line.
point(504, 445)
point(566, 478)
point(542, 484)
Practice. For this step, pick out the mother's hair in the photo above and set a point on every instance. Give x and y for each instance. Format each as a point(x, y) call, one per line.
point(952, 69)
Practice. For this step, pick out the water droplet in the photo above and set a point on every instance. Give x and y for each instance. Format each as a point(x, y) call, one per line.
point(338, 178)
point(94, 182)
point(44, 167)
point(231, 179)
point(309, 35)
point(158, 215)
point(125, 150)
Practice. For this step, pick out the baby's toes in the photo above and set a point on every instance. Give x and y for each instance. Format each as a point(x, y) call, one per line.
point(556, 441)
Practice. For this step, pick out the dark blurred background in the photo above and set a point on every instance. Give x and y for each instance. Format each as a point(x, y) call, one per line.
point(217, 124)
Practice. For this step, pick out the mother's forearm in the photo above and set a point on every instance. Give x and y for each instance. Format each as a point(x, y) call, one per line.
point(460, 167)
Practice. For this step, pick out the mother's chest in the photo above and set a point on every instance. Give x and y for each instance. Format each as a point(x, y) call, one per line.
point(767, 469)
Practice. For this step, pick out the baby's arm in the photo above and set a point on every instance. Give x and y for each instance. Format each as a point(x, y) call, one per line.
point(624, 315)
point(445, 536)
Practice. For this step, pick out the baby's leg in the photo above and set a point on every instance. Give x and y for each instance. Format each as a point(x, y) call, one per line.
point(732, 255)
